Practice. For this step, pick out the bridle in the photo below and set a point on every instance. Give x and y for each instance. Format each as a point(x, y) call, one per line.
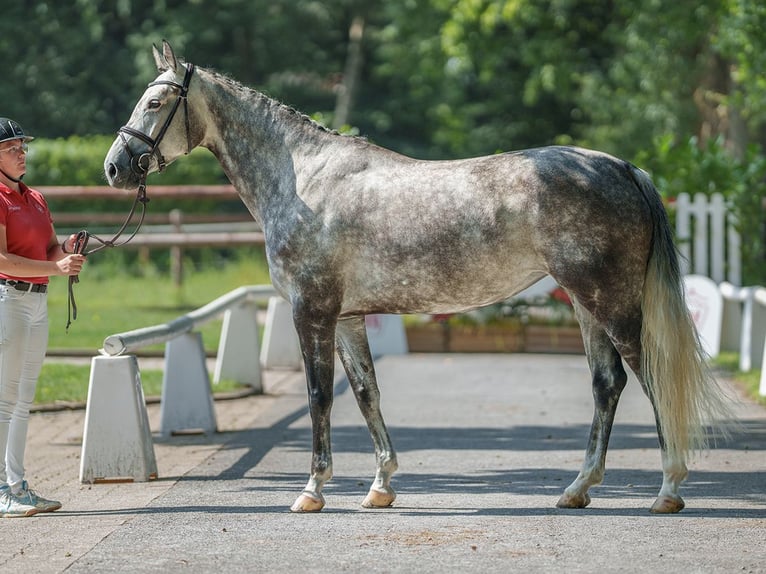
point(139, 165)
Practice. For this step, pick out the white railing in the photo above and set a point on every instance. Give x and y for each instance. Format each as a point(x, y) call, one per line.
point(707, 238)
point(129, 341)
point(750, 304)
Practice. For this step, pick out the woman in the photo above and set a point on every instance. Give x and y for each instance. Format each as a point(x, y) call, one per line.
point(29, 254)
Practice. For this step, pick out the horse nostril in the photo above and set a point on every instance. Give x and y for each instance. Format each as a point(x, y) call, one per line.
point(112, 171)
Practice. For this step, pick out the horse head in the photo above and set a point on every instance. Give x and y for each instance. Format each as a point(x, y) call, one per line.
point(155, 134)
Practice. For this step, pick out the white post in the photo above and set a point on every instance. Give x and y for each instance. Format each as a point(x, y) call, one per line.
point(717, 237)
point(187, 403)
point(683, 233)
point(705, 303)
point(762, 389)
point(239, 348)
point(386, 335)
point(116, 442)
point(281, 348)
point(700, 234)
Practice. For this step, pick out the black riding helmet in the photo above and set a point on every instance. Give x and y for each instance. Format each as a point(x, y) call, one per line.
point(10, 130)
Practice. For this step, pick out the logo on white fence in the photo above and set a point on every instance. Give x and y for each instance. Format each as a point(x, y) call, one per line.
point(705, 303)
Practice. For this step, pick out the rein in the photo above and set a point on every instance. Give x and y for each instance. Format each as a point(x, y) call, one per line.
point(139, 165)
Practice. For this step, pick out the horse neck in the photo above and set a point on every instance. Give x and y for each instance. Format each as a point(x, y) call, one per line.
point(261, 144)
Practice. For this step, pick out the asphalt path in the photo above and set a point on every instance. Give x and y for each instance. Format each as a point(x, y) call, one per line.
point(486, 444)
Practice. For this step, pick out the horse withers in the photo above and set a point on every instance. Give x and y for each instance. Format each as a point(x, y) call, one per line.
point(352, 228)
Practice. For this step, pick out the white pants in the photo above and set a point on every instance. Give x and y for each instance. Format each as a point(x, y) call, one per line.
point(23, 342)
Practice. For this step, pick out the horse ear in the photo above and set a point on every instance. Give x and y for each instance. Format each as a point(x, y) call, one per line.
point(170, 57)
point(161, 65)
point(165, 60)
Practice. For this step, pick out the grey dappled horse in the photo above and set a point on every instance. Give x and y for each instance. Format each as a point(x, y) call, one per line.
point(351, 229)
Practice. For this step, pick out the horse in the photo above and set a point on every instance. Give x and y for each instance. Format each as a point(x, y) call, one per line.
point(352, 229)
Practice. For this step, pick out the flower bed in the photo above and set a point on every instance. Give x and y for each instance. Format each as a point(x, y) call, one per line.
point(543, 325)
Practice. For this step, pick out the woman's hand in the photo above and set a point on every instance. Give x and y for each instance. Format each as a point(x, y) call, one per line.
point(71, 264)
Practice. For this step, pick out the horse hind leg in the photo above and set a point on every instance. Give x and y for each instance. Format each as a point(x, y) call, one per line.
point(627, 339)
point(674, 469)
point(354, 352)
point(608, 379)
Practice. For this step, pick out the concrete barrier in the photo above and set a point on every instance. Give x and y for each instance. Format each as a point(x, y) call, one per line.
point(116, 442)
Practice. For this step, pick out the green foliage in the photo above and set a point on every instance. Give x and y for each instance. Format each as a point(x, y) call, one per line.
point(741, 40)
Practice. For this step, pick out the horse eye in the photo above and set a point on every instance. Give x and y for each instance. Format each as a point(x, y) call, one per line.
point(154, 104)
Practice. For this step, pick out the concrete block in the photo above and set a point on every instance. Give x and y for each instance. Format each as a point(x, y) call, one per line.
point(239, 349)
point(187, 401)
point(281, 348)
point(117, 442)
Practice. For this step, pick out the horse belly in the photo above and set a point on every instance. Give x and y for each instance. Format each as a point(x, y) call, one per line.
point(437, 283)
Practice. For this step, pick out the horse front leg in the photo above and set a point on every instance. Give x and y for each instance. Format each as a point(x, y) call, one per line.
point(609, 379)
point(354, 352)
point(316, 333)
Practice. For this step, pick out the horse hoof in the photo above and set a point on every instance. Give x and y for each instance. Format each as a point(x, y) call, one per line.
point(569, 501)
point(667, 505)
point(379, 498)
point(308, 502)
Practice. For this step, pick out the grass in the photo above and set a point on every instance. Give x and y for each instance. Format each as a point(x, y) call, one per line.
point(112, 300)
point(750, 381)
point(68, 383)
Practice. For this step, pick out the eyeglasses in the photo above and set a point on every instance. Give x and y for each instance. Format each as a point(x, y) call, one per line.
point(17, 149)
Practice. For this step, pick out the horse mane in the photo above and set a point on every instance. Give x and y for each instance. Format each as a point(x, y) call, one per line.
point(271, 103)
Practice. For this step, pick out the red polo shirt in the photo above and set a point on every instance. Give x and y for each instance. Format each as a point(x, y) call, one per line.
point(28, 226)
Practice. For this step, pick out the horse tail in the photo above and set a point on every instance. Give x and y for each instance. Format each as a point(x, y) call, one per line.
point(674, 366)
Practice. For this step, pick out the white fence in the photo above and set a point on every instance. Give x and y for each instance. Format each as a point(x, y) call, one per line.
point(710, 246)
point(707, 238)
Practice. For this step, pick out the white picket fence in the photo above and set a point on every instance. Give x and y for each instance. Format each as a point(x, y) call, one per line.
point(710, 247)
point(707, 238)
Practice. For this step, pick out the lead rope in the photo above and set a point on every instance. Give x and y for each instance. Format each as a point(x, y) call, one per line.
point(81, 244)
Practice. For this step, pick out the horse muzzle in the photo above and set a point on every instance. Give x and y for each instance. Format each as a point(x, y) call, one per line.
point(119, 170)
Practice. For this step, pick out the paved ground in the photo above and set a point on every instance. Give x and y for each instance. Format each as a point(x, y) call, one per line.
point(486, 444)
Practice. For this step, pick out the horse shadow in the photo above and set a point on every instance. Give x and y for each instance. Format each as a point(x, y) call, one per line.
point(461, 490)
point(635, 483)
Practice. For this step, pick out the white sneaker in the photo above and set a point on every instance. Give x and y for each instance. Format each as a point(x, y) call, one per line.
point(29, 497)
point(12, 507)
